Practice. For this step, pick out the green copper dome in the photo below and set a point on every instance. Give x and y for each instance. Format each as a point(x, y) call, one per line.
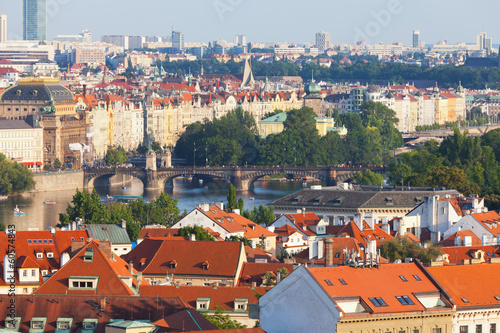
point(313, 89)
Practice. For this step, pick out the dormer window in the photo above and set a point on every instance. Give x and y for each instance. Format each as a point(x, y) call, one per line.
point(173, 264)
point(50, 255)
point(38, 323)
point(12, 324)
point(64, 324)
point(35, 92)
point(39, 255)
point(241, 304)
point(83, 282)
point(89, 324)
point(203, 304)
point(206, 265)
point(89, 255)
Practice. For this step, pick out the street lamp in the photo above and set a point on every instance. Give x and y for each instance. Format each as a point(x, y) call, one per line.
point(194, 156)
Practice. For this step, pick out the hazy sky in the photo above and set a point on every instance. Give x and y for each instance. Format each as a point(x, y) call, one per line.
point(270, 20)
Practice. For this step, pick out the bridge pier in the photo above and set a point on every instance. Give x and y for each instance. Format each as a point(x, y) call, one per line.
point(152, 181)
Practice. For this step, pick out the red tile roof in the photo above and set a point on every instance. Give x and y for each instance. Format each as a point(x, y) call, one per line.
point(339, 245)
point(108, 271)
point(489, 220)
point(457, 254)
point(185, 320)
point(257, 253)
point(377, 234)
point(473, 283)
point(254, 272)
point(157, 232)
point(450, 240)
point(189, 255)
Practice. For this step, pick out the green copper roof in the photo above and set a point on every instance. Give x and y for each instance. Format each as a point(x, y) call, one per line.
point(277, 118)
point(111, 232)
point(130, 324)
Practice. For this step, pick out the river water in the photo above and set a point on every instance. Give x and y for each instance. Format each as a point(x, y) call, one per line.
point(188, 192)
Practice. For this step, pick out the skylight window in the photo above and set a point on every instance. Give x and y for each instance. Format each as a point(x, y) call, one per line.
point(343, 281)
point(417, 277)
point(403, 278)
point(328, 282)
point(465, 300)
point(405, 300)
point(497, 298)
point(378, 301)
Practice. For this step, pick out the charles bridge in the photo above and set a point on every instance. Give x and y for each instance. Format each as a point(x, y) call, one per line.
point(242, 178)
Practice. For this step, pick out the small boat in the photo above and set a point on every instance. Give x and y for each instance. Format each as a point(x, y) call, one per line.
point(304, 184)
point(49, 202)
point(200, 181)
point(251, 198)
point(124, 187)
point(18, 212)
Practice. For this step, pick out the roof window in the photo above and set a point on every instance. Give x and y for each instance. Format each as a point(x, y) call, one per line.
point(328, 282)
point(465, 300)
point(403, 278)
point(497, 298)
point(378, 301)
point(417, 277)
point(343, 281)
point(405, 300)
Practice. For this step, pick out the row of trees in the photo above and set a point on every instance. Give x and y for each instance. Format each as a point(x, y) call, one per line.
point(468, 164)
point(14, 177)
point(233, 140)
point(163, 210)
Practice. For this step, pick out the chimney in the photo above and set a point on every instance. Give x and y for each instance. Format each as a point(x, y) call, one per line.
point(84, 90)
point(385, 226)
point(220, 205)
point(205, 207)
point(370, 220)
point(328, 252)
point(76, 246)
point(236, 211)
point(358, 220)
point(131, 267)
point(192, 237)
point(124, 224)
point(253, 244)
point(105, 247)
point(103, 304)
point(64, 258)
point(52, 231)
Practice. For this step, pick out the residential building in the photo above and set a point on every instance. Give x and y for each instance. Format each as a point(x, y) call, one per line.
point(116, 234)
point(337, 206)
point(229, 224)
point(22, 141)
point(467, 253)
point(92, 57)
point(189, 263)
point(341, 247)
point(254, 273)
point(235, 301)
point(118, 40)
point(40, 254)
point(485, 225)
point(323, 41)
point(484, 43)
point(136, 42)
point(240, 40)
point(35, 20)
point(3, 28)
point(275, 124)
point(386, 298)
point(476, 299)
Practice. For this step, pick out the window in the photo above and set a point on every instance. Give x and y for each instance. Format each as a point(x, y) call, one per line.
point(464, 329)
point(403, 278)
point(436, 330)
point(378, 301)
point(493, 328)
point(414, 331)
point(417, 278)
point(25, 290)
point(405, 300)
point(497, 298)
point(343, 281)
point(465, 300)
point(479, 328)
point(328, 282)
point(33, 272)
point(337, 255)
point(241, 307)
point(25, 273)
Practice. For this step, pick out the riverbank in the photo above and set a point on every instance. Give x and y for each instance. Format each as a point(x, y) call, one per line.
point(57, 181)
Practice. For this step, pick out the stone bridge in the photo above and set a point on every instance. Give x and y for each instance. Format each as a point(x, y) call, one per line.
point(242, 178)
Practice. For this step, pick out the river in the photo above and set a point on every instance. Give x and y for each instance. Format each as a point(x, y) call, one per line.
point(189, 194)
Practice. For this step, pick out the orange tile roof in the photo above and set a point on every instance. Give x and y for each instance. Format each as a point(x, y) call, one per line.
point(489, 220)
point(450, 240)
point(108, 271)
point(474, 283)
point(157, 232)
point(26, 262)
point(366, 283)
point(352, 230)
point(189, 255)
point(457, 254)
point(258, 253)
point(220, 296)
point(339, 245)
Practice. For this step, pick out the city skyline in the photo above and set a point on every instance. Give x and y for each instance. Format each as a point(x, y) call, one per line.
point(374, 21)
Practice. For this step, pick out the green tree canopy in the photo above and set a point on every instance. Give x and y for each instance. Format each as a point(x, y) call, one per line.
point(402, 247)
point(14, 177)
point(200, 233)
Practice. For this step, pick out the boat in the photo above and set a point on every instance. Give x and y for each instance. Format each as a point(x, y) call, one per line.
point(124, 187)
point(251, 198)
point(49, 202)
point(200, 181)
point(18, 212)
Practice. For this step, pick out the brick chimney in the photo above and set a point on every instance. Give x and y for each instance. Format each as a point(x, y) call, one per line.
point(76, 246)
point(105, 247)
point(328, 252)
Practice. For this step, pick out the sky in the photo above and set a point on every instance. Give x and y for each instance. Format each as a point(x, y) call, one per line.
point(374, 21)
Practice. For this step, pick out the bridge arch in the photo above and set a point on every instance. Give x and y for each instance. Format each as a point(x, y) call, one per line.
point(164, 177)
point(249, 179)
point(93, 174)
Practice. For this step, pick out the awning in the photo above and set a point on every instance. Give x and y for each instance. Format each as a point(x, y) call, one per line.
point(38, 163)
point(28, 163)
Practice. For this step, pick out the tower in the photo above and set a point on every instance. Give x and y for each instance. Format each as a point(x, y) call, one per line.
point(416, 38)
point(177, 42)
point(248, 80)
point(323, 41)
point(35, 19)
point(3, 28)
point(313, 97)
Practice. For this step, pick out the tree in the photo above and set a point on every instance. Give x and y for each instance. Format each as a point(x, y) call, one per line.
point(116, 156)
point(86, 206)
point(261, 215)
point(233, 238)
point(200, 233)
point(57, 164)
point(368, 177)
point(221, 320)
point(14, 177)
point(402, 247)
point(232, 202)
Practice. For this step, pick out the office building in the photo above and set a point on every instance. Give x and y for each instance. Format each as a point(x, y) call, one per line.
point(323, 41)
point(84, 37)
point(177, 42)
point(240, 40)
point(136, 42)
point(118, 40)
point(484, 43)
point(416, 38)
point(35, 19)
point(3, 28)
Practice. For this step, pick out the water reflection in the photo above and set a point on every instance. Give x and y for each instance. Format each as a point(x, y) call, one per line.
point(188, 192)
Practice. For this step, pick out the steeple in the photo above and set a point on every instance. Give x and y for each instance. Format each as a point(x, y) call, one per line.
point(248, 80)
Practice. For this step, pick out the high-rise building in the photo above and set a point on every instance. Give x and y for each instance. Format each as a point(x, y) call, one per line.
point(484, 43)
point(3, 28)
point(323, 41)
point(118, 40)
point(416, 38)
point(240, 40)
point(35, 19)
point(177, 42)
